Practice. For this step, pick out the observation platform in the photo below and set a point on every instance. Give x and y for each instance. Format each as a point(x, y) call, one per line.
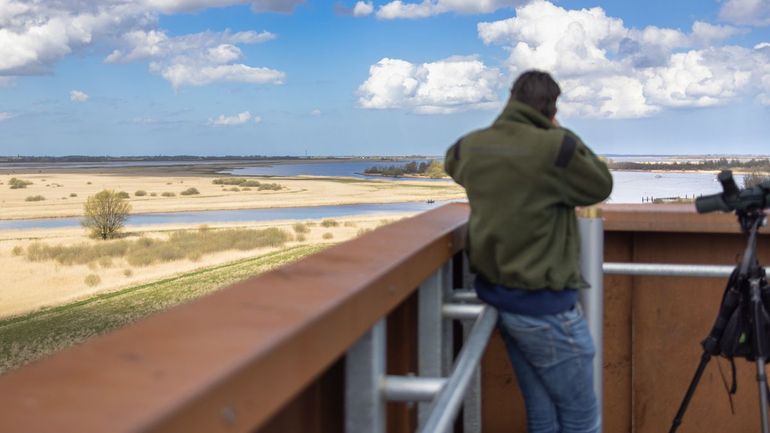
point(380, 334)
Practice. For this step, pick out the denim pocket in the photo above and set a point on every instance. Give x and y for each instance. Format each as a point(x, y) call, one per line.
point(533, 336)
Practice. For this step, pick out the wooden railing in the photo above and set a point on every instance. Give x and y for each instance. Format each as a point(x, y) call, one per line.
point(266, 354)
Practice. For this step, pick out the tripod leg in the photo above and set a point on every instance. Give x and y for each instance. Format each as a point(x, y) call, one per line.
point(761, 349)
point(762, 379)
point(704, 360)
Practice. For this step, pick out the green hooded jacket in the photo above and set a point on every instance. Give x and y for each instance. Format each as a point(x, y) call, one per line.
point(524, 176)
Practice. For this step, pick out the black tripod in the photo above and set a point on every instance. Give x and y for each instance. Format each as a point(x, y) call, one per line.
point(746, 289)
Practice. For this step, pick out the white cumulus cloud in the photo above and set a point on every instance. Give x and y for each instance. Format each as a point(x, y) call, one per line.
point(446, 86)
point(176, 6)
point(78, 96)
point(609, 70)
point(4, 115)
point(363, 8)
point(238, 119)
point(34, 35)
point(748, 12)
point(196, 59)
point(398, 9)
point(316, 112)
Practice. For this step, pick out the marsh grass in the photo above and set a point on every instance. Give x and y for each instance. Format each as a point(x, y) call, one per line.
point(26, 338)
point(17, 183)
point(92, 280)
point(329, 223)
point(190, 191)
point(191, 245)
point(300, 228)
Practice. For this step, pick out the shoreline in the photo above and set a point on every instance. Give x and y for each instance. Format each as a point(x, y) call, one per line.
point(218, 210)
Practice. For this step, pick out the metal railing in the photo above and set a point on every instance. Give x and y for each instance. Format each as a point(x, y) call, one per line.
point(443, 385)
point(440, 389)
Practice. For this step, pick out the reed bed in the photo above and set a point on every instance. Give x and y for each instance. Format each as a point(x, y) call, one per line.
point(191, 245)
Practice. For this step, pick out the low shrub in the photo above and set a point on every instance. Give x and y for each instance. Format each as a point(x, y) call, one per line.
point(89, 183)
point(233, 189)
point(16, 183)
point(168, 194)
point(300, 228)
point(153, 194)
point(349, 224)
point(327, 236)
point(140, 193)
point(92, 280)
point(239, 181)
point(128, 272)
point(363, 231)
point(105, 262)
point(35, 198)
point(270, 187)
point(329, 223)
point(123, 194)
point(190, 191)
point(73, 194)
point(17, 251)
point(300, 238)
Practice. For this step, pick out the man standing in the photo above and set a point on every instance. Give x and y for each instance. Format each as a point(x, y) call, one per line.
point(524, 175)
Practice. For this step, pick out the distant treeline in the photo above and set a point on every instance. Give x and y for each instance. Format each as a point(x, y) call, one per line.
point(433, 169)
point(759, 164)
point(82, 158)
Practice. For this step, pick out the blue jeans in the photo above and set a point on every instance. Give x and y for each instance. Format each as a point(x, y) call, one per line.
point(552, 356)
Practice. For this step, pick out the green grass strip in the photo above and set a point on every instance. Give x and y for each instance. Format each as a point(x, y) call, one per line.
point(32, 336)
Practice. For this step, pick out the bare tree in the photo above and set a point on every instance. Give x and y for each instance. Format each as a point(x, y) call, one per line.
point(755, 177)
point(105, 214)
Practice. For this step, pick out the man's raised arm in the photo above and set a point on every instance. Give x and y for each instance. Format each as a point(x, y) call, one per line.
point(586, 180)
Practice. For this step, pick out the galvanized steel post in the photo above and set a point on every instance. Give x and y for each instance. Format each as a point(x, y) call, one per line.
point(434, 332)
point(364, 375)
point(591, 226)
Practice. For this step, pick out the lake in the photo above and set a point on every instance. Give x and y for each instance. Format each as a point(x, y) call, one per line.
point(240, 215)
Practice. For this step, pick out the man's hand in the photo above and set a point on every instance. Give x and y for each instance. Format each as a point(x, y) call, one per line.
point(555, 123)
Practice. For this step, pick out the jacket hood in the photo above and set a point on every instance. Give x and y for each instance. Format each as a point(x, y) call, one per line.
point(516, 111)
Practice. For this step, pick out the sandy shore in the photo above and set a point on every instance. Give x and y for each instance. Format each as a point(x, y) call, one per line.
point(64, 193)
point(28, 285)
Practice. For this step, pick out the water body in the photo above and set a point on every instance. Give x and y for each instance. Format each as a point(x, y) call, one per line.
point(310, 212)
point(351, 168)
point(632, 186)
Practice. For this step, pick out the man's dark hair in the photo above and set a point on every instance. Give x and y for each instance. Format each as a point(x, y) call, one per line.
point(538, 90)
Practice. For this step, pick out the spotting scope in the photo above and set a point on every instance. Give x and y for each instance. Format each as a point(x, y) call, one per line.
point(733, 198)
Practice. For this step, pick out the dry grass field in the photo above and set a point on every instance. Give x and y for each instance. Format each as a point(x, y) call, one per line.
point(48, 267)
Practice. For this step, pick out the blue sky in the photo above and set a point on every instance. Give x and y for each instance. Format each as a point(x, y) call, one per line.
point(290, 77)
